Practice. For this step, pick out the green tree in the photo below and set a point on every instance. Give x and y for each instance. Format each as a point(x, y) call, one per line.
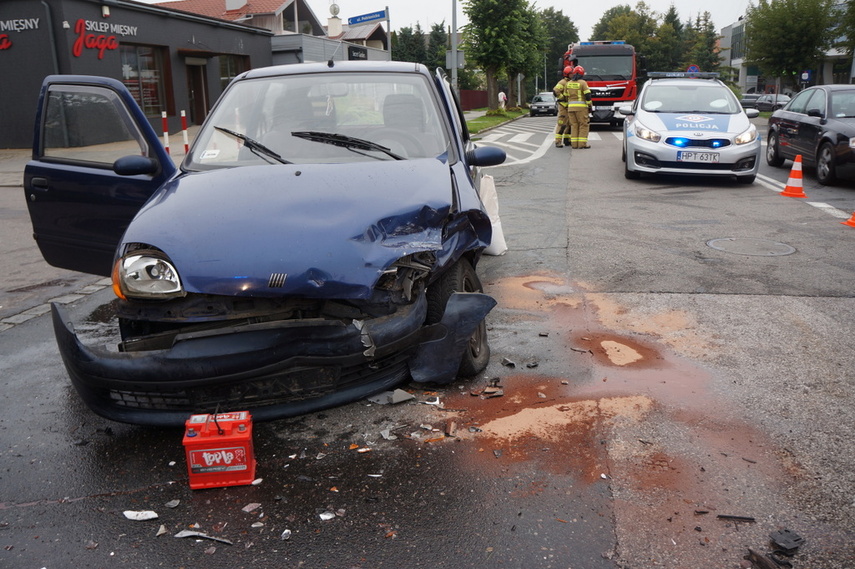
point(492, 37)
point(559, 32)
point(601, 30)
point(437, 46)
point(785, 37)
point(526, 60)
point(410, 45)
point(701, 43)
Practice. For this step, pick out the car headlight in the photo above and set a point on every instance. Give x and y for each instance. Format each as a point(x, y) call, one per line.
point(146, 274)
point(645, 133)
point(747, 136)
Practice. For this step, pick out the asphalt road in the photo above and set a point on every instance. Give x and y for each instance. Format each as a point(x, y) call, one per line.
point(664, 359)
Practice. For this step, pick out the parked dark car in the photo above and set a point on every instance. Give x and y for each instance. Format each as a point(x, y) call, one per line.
point(543, 104)
point(771, 102)
point(818, 124)
point(749, 100)
point(317, 245)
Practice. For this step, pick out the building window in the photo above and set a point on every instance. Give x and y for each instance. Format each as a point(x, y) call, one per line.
point(230, 67)
point(144, 76)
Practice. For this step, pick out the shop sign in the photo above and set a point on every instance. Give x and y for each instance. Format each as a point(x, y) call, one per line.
point(99, 41)
point(15, 25)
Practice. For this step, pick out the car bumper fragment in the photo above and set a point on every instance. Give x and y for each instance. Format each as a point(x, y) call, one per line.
point(276, 370)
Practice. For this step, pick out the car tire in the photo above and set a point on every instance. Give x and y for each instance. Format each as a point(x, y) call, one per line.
point(825, 170)
point(461, 277)
point(773, 152)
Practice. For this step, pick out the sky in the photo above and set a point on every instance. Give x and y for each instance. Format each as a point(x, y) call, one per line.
point(406, 13)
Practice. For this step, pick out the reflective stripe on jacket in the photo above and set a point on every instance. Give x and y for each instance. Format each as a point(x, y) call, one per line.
point(578, 94)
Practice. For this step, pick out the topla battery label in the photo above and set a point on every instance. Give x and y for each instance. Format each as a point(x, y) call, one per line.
point(218, 460)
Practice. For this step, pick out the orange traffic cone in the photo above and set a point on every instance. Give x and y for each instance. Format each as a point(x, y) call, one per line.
point(850, 222)
point(794, 184)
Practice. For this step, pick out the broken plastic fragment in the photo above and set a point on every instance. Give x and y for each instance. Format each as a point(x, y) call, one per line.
point(161, 531)
point(172, 503)
point(508, 363)
point(257, 481)
point(326, 516)
point(140, 516)
point(251, 507)
point(286, 535)
point(257, 525)
point(392, 397)
point(200, 535)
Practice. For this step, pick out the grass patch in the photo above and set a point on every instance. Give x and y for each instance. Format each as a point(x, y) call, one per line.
point(493, 118)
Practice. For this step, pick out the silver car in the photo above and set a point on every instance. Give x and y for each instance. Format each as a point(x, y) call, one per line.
point(690, 124)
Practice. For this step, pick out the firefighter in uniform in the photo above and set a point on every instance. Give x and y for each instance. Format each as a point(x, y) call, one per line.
point(578, 97)
point(562, 129)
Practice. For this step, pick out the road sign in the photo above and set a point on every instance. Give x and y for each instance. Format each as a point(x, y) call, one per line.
point(365, 18)
point(693, 69)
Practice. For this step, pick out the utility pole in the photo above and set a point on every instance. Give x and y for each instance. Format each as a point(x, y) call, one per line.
point(454, 44)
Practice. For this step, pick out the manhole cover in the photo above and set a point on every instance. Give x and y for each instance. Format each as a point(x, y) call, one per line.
point(748, 246)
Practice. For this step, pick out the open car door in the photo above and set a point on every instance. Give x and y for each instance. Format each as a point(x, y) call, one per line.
point(96, 161)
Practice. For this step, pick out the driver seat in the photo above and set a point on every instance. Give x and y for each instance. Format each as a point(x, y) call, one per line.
point(404, 112)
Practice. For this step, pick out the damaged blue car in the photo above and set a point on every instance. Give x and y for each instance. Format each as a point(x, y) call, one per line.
point(317, 244)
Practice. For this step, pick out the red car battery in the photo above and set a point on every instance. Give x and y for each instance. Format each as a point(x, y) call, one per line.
point(219, 450)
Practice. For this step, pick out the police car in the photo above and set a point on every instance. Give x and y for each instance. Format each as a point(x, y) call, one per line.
point(690, 124)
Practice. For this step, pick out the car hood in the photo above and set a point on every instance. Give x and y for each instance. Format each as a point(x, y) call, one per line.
point(710, 124)
point(311, 230)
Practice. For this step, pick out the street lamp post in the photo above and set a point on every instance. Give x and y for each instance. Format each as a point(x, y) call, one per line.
point(454, 44)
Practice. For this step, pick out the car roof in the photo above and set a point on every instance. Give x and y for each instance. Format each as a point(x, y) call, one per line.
point(337, 67)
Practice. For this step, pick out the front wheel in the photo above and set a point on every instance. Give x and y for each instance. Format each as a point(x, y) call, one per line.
point(773, 153)
point(825, 171)
point(460, 277)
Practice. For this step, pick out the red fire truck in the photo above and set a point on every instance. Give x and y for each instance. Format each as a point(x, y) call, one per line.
point(612, 70)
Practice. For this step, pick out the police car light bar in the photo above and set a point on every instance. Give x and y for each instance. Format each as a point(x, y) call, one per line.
point(682, 74)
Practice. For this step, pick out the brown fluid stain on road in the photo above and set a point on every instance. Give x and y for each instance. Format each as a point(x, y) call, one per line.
point(643, 417)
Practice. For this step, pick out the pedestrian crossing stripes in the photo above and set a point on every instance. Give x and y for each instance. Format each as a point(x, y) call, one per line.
point(524, 141)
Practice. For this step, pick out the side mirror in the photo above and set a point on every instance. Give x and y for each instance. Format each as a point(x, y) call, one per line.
point(752, 113)
point(486, 156)
point(135, 166)
point(626, 110)
point(814, 113)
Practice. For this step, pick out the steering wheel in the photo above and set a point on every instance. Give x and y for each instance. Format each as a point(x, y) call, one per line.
point(399, 141)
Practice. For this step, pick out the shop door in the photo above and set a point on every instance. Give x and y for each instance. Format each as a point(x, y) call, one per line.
point(197, 87)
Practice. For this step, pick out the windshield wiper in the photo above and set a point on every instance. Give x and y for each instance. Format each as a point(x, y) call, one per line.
point(348, 142)
point(255, 147)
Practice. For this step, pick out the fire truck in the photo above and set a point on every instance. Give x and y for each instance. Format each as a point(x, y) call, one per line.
point(612, 70)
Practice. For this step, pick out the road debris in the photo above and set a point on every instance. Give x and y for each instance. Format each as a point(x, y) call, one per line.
point(786, 541)
point(431, 401)
point(326, 516)
point(508, 363)
point(285, 535)
point(736, 518)
point(172, 504)
point(760, 561)
point(200, 535)
point(251, 507)
point(392, 397)
point(161, 531)
point(140, 516)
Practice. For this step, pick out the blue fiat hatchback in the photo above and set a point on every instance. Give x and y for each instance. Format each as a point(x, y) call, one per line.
point(318, 244)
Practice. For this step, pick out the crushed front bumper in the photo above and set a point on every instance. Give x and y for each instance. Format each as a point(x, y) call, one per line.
point(276, 369)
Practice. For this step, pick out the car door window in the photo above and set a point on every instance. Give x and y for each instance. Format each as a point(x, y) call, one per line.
point(816, 102)
point(88, 124)
point(800, 101)
point(843, 104)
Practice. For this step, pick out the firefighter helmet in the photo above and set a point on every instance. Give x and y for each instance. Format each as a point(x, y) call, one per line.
point(568, 70)
point(579, 70)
